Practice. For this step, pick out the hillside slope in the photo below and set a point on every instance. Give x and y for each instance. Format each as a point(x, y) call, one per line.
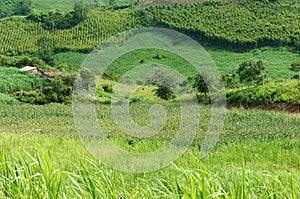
point(229, 25)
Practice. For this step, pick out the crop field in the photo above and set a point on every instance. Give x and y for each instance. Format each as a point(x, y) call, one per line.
point(42, 155)
point(44, 151)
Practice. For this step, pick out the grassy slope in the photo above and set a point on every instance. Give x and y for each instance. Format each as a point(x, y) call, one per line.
point(278, 61)
point(67, 5)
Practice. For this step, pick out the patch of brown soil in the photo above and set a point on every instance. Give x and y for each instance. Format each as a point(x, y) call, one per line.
point(291, 108)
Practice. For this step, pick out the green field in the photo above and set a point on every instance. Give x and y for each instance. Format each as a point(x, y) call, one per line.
point(278, 60)
point(257, 154)
point(67, 5)
point(41, 155)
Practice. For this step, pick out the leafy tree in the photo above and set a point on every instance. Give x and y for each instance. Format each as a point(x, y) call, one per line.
point(14, 7)
point(111, 2)
point(59, 89)
point(295, 66)
point(200, 84)
point(46, 50)
point(24, 7)
point(87, 78)
point(251, 71)
point(165, 82)
point(80, 12)
point(203, 82)
point(57, 20)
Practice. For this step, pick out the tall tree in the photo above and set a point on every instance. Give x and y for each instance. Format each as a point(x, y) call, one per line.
point(251, 71)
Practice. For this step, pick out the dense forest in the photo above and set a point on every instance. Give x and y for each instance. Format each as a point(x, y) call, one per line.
point(14, 7)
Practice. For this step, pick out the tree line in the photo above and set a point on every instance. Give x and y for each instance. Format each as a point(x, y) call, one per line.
point(14, 7)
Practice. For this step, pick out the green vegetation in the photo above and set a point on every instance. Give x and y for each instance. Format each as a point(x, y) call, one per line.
point(67, 5)
point(75, 59)
point(12, 79)
point(20, 35)
point(280, 91)
point(250, 71)
point(58, 20)
point(57, 90)
point(232, 25)
point(273, 24)
point(257, 156)
point(14, 7)
point(5, 99)
point(278, 60)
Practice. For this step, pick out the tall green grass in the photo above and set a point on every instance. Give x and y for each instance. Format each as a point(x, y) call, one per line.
point(50, 167)
point(12, 79)
point(41, 155)
point(5, 99)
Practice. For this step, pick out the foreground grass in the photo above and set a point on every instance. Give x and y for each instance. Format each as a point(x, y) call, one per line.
point(41, 156)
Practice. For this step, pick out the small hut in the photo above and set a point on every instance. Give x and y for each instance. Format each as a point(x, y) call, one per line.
point(37, 71)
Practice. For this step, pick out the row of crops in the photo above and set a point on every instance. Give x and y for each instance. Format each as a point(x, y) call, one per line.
point(20, 35)
point(228, 24)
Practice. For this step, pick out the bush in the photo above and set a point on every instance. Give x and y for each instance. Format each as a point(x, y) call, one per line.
point(32, 97)
point(231, 80)
point(164, 93)
point(110, 76)
point(58, 20)
point(14, 7)
point(107, 88)
point(295, 66)
point(251, 71)
point(165, 82)
point(21, 61)
point(136, 98)
point(284, 91)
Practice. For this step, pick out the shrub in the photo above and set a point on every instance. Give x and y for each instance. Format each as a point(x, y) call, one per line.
point(251, 71)
point(284, 91)
point(165, 82)
point(136, 98)
point(32, 97)
point(107, 88)
point(231, 80)
point(110, 76)
point(295, 66)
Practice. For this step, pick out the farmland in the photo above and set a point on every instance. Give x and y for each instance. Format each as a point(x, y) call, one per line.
point(254, 158)
point(255, 48)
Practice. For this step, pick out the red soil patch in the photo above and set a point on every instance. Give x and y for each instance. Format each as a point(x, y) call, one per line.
point(291, 108)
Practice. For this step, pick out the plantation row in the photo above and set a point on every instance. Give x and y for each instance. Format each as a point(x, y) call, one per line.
point(226, 24)
point(243, 26)
point(99, 25)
